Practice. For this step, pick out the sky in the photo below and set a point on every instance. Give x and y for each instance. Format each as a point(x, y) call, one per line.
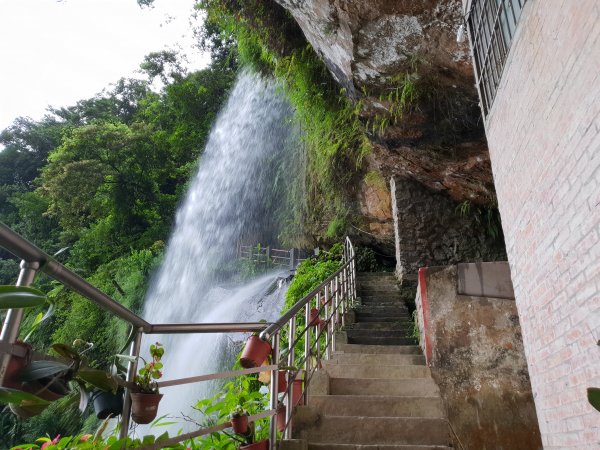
point(57, 52)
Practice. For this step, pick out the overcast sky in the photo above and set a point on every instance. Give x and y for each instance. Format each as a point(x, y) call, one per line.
point(57, 52)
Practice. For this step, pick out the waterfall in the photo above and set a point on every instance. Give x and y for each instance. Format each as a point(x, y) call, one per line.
point(234, 194)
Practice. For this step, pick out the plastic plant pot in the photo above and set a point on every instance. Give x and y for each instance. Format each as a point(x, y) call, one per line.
point(106, 403)
point(297, 397)
point(239, 424)
point(281, 381)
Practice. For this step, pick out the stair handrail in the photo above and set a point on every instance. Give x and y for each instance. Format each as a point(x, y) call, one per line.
point(339, 295)
point(338, 290)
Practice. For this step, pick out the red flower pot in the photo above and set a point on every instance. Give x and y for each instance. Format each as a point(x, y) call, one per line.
point(239, 424)
point(281, 418)
point(281, 381)
point(297, 397)
point(15, 365)
point(262, 445)
point(144, 407)
point(255, 352)
point(314, 317)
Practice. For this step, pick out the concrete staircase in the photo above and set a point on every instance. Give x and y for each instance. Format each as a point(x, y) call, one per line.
point(375, 393)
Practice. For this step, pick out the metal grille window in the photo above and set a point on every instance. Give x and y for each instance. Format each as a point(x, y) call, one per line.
point(492, 25)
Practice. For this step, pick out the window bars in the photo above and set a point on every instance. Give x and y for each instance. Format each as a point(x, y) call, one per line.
point(492, 25)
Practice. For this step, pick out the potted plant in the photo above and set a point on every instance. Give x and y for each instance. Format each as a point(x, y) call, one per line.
point(314, 317)
point(255, 352)
point(145, 396)
point(20, 357)
point(50, 380)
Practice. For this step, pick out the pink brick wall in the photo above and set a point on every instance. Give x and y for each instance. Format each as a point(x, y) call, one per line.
point(544, 139)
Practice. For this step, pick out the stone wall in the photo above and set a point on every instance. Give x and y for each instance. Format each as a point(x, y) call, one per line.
point(430, 231)
point(474, 349)
point(544, 137)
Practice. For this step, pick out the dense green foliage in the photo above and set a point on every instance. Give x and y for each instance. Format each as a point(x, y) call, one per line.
point(336, 144)
point(101, 180)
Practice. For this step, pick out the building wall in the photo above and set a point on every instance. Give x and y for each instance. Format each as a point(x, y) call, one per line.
point(474, 349)
point(544, 137)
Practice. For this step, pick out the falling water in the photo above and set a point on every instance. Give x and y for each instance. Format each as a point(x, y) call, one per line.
point(234, 195)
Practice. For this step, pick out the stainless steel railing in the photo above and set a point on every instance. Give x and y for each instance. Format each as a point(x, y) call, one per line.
point(331, 299)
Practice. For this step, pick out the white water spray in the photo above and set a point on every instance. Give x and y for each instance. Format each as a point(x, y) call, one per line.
point(232, 196)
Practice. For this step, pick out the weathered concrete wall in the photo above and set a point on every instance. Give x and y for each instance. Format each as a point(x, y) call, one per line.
point(431, 232)
point(544, 137)
point(474, 348)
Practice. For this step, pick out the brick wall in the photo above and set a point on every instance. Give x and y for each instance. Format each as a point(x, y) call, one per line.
point(544, 138)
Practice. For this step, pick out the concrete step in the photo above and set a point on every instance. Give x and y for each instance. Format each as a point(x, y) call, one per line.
point(383, 359)
point(378, 430)
point(370, 291)
point(409, 387)
point(385, 309)
point(375, 447)
point(381, 317)
point(383, 284)
point(377, 406)
point(370, 371)
point(362, 275)
point(400, 325)
point(370, 300)
point(380, 332)
point(380, 349)
point(368, 340)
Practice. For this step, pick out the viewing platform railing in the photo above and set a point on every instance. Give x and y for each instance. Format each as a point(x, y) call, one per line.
point(316, 317)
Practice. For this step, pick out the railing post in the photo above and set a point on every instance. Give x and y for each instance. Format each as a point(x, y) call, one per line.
point(317, 332)
point(306, 351)
point(14, 317)
point(293, 258)
point(131, 371)
point(290, 361)
point(338, 292)
point(327, 324)
point(274, 389)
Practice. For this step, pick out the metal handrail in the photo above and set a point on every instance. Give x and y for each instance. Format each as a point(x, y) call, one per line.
point(338, 292)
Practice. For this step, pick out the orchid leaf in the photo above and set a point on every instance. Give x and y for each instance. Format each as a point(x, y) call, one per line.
point(20, 297)
point(98, 378)
point(8, 395)
point(43, 369)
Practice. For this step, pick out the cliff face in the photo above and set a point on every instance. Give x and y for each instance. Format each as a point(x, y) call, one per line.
point(400, 58)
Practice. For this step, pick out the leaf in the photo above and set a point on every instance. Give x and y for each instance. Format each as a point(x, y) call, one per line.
point(8, 395)
point(98, 378)
point(66, 351)
point(126, 357)
point(42, 369)
point(84, 397)
point(20, 297)
point(593, 395)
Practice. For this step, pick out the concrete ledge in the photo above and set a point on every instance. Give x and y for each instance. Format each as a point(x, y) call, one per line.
point(293, 444)
point(340, 338)
point(485, 279)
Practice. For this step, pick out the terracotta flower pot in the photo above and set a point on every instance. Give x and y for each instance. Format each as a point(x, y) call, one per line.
point(239, 424)
point(314, 317)
point(15, 365)
point(262, 445)
point(255, 352)
point(281, 381)
point(281, 418)
point(297, 397)
point(144, 407)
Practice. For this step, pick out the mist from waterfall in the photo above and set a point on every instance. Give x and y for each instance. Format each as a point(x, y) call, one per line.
point(234, 196)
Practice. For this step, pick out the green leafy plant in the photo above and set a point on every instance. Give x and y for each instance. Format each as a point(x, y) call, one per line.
point(151, 371)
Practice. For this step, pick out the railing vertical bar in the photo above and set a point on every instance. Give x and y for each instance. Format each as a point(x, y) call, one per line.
point(316, 331)
point(327, 324)
point(290, 362)
point(131, 371)
point(14, 317)
point(274, 388)
point(306, 351)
